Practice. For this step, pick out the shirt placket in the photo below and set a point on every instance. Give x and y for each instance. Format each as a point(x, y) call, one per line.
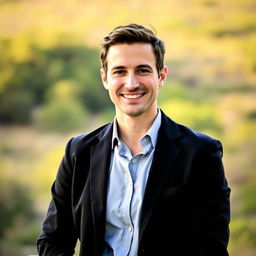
point(126, 204)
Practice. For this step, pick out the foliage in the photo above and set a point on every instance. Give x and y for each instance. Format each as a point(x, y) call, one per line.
point(200, 116)
point(248, 207)
point(243, 233)
point(46, 169)
point(16, 207)
point(26, 234)
point(27, 80)
point(63, 112)
point(60, 116)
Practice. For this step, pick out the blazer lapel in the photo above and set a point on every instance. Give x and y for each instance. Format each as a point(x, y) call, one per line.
point(100, 160)
point(165, 154)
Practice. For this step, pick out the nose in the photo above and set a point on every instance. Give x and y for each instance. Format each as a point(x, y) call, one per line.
point(131, 82)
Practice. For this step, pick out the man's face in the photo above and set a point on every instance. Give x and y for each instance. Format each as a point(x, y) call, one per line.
point(132, 79)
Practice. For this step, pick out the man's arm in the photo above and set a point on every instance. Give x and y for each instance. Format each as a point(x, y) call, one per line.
point(214, 202)
point(58, 235)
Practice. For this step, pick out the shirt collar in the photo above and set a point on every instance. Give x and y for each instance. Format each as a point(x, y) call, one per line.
point(115, 138)
point(152, 132)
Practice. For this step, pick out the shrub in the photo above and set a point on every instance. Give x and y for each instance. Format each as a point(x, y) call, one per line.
point(60, 116)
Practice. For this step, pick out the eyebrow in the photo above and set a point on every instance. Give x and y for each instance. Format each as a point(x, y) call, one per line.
point(144, 66)
point(137, 67)
point(118, 67)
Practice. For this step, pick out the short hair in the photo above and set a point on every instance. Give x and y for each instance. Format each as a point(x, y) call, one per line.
point(133, 33)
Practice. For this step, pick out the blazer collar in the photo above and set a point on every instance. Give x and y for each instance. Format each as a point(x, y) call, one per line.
point(165, 154)
point(99, 169)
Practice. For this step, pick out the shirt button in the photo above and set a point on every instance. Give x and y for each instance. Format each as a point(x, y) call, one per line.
point(130, 228)
point(134, 160)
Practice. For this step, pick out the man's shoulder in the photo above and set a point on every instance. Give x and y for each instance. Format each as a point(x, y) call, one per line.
point(85, 140)
point(191, 137)
point(199, 139)
point(195, 135)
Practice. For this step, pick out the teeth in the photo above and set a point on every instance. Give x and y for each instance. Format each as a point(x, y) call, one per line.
point(132, 96)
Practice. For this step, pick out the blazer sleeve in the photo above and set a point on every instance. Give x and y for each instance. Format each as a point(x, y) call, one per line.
point(58, 233)
point(213, 201)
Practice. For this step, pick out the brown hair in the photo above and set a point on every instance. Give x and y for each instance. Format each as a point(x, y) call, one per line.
point(133, 33)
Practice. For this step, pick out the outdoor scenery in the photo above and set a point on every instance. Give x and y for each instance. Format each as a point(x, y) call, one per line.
point(50, 90)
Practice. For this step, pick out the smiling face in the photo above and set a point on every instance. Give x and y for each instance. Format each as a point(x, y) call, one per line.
point(132, 79)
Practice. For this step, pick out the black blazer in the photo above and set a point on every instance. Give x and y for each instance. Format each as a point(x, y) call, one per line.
point(185, 210)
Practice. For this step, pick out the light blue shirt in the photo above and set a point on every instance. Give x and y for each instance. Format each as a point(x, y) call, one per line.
point(127, 182)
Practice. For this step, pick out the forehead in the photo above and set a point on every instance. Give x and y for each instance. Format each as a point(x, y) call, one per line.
point(130, 54)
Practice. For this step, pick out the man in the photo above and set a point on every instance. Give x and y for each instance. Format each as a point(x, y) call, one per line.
point(142, 185)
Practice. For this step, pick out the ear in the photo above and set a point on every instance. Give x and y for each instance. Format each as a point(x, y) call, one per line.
point(103, 74)
point(163, 76)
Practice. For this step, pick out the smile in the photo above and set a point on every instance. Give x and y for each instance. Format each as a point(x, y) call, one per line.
point(133, 96)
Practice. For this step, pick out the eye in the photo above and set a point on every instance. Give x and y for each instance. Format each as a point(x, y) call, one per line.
point(143, 71)
point(118, 72)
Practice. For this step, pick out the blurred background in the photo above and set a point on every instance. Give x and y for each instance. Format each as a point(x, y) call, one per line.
point(50, 90)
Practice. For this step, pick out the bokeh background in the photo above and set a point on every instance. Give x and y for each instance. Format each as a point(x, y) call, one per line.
point(50, 90)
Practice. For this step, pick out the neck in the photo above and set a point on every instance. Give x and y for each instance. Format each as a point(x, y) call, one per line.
point(132, 128)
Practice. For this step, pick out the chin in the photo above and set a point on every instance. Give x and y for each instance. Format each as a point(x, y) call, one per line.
point(135, 113)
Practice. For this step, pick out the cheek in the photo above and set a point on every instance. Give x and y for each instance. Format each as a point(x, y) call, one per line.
point(112, 96)
point(151, 84)
point(115, 83)
point(113, 88)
